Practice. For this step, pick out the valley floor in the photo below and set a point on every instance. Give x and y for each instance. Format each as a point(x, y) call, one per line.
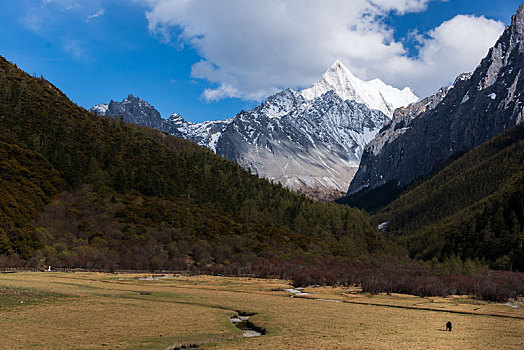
point(121, 311)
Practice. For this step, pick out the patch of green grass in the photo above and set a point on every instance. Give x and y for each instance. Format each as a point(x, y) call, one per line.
point(17, 297)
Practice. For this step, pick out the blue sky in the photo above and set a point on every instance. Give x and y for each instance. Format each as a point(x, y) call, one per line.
point(208, 62)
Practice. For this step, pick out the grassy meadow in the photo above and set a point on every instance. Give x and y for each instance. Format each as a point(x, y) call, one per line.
point(122, 311)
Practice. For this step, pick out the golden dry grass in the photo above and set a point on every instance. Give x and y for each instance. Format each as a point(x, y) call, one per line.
point(107, 311)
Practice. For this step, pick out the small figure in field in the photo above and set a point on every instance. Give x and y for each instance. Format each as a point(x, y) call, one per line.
point(448, 326)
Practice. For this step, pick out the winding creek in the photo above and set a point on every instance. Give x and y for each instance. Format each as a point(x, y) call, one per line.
point(242, 322)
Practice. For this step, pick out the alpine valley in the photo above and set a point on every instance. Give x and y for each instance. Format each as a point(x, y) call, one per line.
point(435, 188)
point(309, 141)
point(347, 215)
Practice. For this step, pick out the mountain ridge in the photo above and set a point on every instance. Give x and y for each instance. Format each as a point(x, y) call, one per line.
point(472, 207)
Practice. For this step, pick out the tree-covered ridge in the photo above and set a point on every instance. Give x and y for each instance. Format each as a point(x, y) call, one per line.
point(120, 160)
point(474, 207)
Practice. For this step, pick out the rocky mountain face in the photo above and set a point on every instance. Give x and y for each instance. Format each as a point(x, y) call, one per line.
point(424, 135)
point(310, 141)
point(310, 146)
point(133, 110)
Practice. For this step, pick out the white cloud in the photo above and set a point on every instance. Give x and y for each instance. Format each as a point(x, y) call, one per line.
point(39, 14)
point(252, 48)
point(454, 47)
point(401, 6)
point(224, 90)
point(99, 13)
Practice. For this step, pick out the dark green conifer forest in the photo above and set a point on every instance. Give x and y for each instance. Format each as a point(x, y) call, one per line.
point(472, 208)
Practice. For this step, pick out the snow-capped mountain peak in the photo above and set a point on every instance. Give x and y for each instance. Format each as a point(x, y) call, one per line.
point(310, 141)
point(279, 104)
point(374, 93)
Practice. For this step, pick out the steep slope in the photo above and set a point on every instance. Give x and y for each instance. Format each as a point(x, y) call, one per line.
point(371, 199)
point(475, 109)
point(309, 141)
point(474, 207)
point(140, 198)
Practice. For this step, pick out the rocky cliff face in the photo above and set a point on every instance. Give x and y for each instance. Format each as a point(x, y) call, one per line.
point(476, 108)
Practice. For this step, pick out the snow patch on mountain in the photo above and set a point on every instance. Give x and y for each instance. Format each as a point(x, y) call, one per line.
point(100, 109)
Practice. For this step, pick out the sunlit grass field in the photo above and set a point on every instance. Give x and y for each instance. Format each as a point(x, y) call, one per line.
point(121, 311)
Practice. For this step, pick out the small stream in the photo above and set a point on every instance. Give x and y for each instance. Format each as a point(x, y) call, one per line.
point(296, 291)
point(248, 328)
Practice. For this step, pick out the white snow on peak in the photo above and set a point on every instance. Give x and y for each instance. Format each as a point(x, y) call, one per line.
point(175, 117)
point(279, 105)
point(141, 103)
point(374, 93)
point(100, 109)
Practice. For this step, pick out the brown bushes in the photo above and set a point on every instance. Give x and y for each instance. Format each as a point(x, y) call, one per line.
point(410, 277)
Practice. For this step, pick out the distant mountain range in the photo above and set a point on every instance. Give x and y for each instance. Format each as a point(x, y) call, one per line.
point(310, 141)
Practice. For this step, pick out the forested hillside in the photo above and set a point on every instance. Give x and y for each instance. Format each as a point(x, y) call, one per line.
point(27, 183)
point(473, 208)
point(137, 197)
